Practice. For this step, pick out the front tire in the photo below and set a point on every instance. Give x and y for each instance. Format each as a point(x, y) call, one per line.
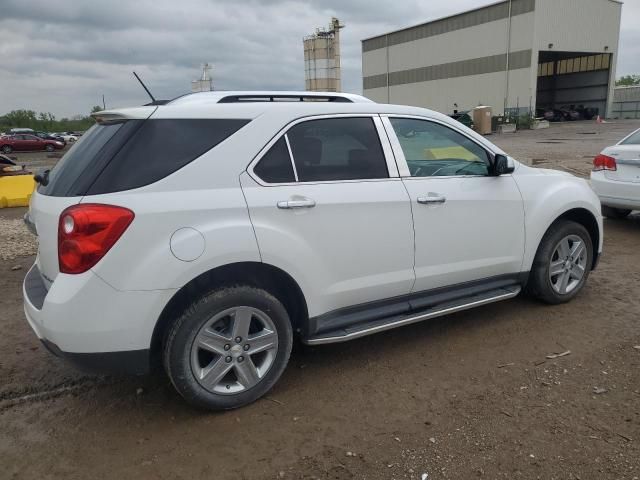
point(7, 149)
point(49, 148)
point(562, 263)
point(617, 213)
point(228, 348)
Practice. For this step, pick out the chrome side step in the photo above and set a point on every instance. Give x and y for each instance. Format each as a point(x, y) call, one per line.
point(351, 333)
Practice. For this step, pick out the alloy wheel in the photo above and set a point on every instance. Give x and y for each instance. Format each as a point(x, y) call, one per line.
point(568, 264)
point(234, 350)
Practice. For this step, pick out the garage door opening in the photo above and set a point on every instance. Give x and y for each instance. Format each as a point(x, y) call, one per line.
point(572, 85)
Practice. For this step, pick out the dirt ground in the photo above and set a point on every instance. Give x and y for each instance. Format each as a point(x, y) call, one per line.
point(471, 395)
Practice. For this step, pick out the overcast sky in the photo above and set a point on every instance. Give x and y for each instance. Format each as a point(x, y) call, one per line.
point(62, 55)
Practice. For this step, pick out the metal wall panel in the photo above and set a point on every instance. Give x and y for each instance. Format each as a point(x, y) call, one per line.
point(626, 94)
point(467, 92)
point(463, 68)
point(487, 14)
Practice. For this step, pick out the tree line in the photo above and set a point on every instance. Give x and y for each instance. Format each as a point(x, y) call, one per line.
point(628, 81)
point(45, 121)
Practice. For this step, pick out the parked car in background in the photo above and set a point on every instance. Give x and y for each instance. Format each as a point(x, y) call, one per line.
point(20, 130)
point(49, 136)
point(69, 137)
point(22, 142)
point(208, 231)
point(616, 177)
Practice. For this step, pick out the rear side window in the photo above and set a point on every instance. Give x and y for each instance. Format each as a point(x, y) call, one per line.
point(121, 156)
point(159, 148)
point(85, 155)
point(275, 166)
point(337, 149)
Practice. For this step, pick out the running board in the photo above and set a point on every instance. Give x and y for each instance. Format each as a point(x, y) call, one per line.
point(357, 331)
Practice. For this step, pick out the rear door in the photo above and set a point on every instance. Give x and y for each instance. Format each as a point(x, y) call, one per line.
point(337, 218)
point(49, 200)
point(21, 143)
point(33, 142)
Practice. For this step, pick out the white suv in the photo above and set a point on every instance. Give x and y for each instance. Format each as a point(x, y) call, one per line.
point(207, 231)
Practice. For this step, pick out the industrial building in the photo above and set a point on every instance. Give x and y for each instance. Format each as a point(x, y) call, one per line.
point(626, 102)
point(205, 82)
point(516, 56)
point(322, 59)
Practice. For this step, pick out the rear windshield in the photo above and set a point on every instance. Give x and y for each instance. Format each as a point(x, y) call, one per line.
point(632, 140)
point(121, 156)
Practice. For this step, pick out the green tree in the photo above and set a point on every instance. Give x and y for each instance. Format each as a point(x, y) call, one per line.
point(628, 81)
point(43, 121)
point(96, 108)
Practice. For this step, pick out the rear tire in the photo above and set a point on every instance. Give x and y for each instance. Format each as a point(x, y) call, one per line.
point(228, 348)
point(611, 212)
point(562, 263)
point(7, 149)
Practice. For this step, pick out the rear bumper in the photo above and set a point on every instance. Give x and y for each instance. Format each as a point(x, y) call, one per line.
point(134, 362)
point(616, 194)
point(84, 320)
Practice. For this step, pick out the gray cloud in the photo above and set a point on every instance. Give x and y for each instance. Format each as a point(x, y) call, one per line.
point(61, 56)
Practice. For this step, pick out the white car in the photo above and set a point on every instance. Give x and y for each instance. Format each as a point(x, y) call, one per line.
point(209, 231)
point(616, 177)
point(67, 137)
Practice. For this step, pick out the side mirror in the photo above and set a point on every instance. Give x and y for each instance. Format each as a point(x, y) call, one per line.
point(502, 165)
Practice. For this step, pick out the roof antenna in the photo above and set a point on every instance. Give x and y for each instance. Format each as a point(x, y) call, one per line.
point(145, 87)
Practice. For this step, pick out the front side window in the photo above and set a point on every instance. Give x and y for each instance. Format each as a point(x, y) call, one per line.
point(433, 150)
point(337, 149)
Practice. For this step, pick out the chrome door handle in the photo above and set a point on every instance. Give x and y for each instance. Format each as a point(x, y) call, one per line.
point(431, 199)
point(303, 203)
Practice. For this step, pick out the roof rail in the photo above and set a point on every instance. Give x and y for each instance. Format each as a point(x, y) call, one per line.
point(267, 96)
point(284, 98)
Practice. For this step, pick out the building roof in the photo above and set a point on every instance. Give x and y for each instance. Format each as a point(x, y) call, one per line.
point(491, 11)
point(439, 19)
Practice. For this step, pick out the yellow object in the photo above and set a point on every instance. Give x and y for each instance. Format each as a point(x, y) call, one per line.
point(459, 153)
point(15, 191)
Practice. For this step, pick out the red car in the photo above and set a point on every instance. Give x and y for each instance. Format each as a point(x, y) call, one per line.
point(24, 142)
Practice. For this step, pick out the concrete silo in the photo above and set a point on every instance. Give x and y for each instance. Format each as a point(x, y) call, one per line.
point(322, 59)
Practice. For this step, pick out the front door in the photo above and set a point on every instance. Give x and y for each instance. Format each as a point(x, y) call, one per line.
point(469, 225)
point(337, 218)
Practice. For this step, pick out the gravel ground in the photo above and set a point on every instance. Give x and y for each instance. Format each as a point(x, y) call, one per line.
point(471, 395)
point(15, 239)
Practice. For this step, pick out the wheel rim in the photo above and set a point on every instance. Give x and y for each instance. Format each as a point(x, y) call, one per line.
point(234, 350)
point(568, 264)
point(6, 149)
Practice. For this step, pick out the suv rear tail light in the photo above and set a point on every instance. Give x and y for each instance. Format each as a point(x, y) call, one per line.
point(86, 232)
point(604, 162)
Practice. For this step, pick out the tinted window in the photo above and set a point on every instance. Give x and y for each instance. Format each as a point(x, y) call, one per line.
point(337, 149)
point(275, 166)
point(83, 156)
point(159, 148)
point(433, 150)
point(633, 139)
